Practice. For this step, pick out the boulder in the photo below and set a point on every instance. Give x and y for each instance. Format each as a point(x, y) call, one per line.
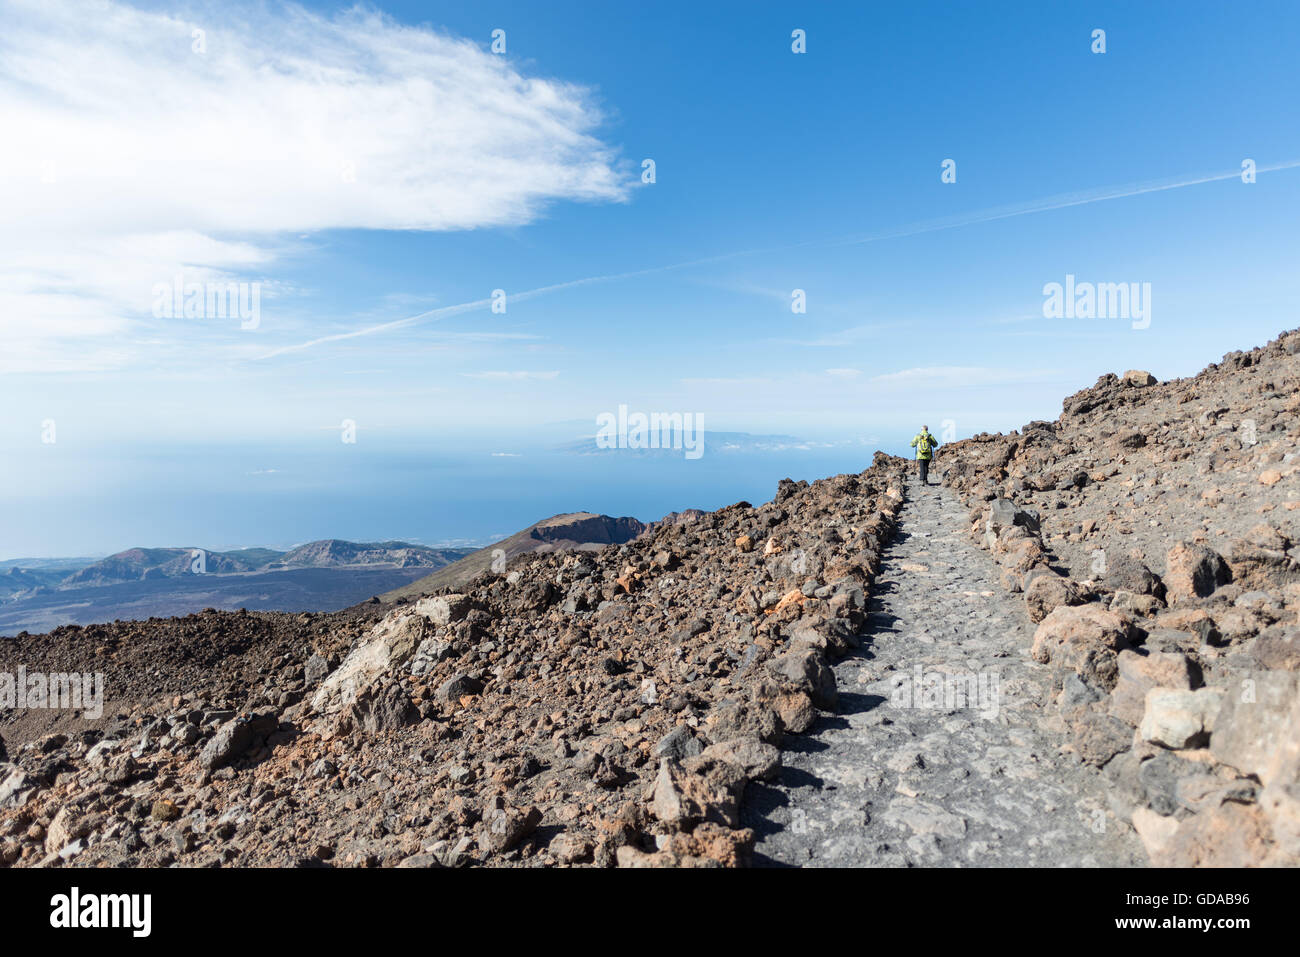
point(1002, 514)
point(428, 654)
point(1193, 571)
point(1230, 835)
point(678, 744)
point(1131, 439)
point(806, 670)
point(1277, 648)
point(1280, 804)
point(1156, 831)
point(733, 719)
point(1264, 558)
point(795, 710)
point(1047, 592)
point(390, 644)
point(759, 760)
point(1258, 728)
point(384, 708)
point(1139, 673)
point(1163, 777)
point(703, 788)
point(1022, 555)
point(1177, 718)
point(236, 738)
point(504, 827)
point(444, 609)
point(1141, 605)
point(456, 687)
point(707, 845)
point(66, 827)
point(315, 670)
point(1085, 639)
point(1138, 379)
point(1099, 737)
point(16, 788)
point(1075, 693)
point(1125, 573)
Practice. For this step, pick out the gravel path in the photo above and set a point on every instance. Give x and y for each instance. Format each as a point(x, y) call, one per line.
point(890, 781)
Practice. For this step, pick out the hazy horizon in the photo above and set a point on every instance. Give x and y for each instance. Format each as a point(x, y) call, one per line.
point(281, 273)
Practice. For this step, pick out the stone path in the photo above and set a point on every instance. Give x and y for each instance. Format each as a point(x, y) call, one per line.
point(898, 778)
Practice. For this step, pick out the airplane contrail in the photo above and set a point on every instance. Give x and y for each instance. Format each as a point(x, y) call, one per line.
point(444, 312)
point(1059, 201)
point(992, 214)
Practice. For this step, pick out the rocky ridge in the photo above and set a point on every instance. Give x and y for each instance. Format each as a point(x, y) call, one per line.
point(599, 707)
point(1153, 531)
point(613, 706)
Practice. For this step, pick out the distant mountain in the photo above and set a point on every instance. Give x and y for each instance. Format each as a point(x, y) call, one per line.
point(18, 582)
point(333, 553)
point(147, 582)
point(684, 517)
point(48, 564)
point(144, 564)
point(139, 564)
point(569, 531)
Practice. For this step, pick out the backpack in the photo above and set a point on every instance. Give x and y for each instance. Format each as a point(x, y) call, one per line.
point(925, 443)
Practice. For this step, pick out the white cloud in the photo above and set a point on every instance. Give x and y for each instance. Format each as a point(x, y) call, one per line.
point(844, 373)
point(128, 157)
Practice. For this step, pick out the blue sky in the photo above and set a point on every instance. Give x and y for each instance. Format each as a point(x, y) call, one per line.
point(366, 166)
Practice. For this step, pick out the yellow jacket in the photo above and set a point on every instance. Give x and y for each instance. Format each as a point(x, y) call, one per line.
point(924, 444)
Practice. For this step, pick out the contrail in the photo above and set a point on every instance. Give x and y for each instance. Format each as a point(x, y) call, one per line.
point(445, 311)
point(1059, 201)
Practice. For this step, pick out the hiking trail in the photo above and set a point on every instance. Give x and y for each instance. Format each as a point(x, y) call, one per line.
point(881, 783)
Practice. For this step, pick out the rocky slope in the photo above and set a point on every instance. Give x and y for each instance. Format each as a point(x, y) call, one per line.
point(615, 706)
point(587, 707)
point(1153, 533)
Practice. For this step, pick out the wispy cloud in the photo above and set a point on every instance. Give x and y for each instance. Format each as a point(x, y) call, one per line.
point(1049, 203)
point(199, 144)
point(848, 336)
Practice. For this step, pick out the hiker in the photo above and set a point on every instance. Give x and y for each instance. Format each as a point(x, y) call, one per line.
point(925, 445)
